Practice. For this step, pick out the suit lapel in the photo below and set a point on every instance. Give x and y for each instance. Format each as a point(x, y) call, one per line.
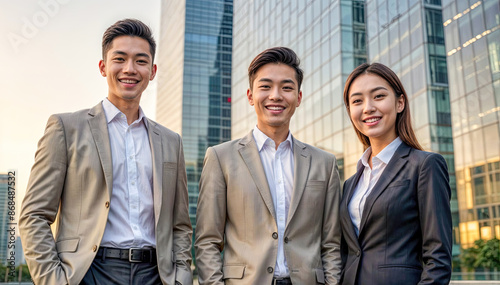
point(350, 189)
point(395, 165)
point(349, 186)
point(302, 165)
point(99, 130)
point(157, 157)
point(250, 154)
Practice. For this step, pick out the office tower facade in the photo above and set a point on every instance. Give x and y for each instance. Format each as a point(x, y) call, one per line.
point(472, 31)
point(408, 36)
point(328, 36)
point(194, 79)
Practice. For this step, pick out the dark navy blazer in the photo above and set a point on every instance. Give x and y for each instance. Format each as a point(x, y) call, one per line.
point(405, 233)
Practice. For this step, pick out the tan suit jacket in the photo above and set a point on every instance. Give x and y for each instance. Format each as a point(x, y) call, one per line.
point(71, 180)
point(236, 214)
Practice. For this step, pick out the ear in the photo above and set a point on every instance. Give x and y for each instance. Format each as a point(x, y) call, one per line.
point(400, 103)
point(250, 97)
point(153, 72)
point(299, 99)
point(102, 68)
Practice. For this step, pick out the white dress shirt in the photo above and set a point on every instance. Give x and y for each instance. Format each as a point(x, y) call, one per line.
point(368, 179)
point(278, 166)
point(131, 215)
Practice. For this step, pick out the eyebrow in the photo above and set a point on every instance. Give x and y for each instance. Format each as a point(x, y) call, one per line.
point(371, 91)
point(124, 53)
point(282, 81)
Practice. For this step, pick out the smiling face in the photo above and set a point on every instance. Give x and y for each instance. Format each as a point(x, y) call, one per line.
point(373, 108)
point(128, 68)
point(275, 95)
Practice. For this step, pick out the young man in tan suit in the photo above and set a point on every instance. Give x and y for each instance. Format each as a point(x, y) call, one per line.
point(268, 200)
point(112, 181)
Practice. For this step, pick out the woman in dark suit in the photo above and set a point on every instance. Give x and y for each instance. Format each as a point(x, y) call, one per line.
point(395, 211)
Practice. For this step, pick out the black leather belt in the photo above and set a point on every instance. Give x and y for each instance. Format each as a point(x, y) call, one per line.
point(131, 254)
point(282, 281)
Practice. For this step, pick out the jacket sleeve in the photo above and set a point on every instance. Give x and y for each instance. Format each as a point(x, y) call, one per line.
point(41, 203)
point(182, 230)
point(435, 220)
point(331, 233)
point(210, 221)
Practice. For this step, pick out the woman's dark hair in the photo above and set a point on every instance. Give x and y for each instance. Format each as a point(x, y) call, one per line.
point(403, 119)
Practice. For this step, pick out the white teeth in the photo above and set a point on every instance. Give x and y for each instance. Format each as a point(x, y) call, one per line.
point(275, 108)
point(372, 120)
point(128, 81)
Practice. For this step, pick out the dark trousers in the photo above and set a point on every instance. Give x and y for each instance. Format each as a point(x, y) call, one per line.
point(116, 271)
point(285, 281)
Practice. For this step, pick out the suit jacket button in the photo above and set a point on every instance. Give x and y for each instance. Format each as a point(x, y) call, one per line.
point(286, 239)
point(94, 248)
point(270, 269)
point(106, 204)
point(358, 253)
point(275, 235)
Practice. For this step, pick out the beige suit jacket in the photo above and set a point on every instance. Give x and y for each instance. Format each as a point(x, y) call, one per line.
point(70, 185)
point(236, 214)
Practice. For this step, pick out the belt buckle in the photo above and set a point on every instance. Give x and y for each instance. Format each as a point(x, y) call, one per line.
point(130, 255)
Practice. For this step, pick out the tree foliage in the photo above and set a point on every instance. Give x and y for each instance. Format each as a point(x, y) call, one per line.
point(483, 254)
point(6, 275)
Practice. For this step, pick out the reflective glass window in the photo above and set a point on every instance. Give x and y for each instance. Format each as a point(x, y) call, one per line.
point(494, 54)
point(464, 28)
point(438, 69)
point(435, 32)
point(477, 21)
point(491, 13)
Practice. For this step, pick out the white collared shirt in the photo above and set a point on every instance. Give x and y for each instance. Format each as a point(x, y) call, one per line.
point(131, 220)
point(278, 166)
point(368, 179)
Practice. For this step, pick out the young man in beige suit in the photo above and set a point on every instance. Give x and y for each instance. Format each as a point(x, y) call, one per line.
point(268, 200)
point(112, 181)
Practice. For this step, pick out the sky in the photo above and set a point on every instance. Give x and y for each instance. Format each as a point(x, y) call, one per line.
point(52, 49)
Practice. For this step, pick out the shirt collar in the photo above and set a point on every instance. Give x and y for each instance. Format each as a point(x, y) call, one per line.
point(262, 139)
point(111, 111)
point(384, 156)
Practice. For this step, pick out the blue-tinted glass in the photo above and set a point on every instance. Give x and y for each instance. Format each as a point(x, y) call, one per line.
point(382, 14)
point(477, 22)
point(433, 2)
point(206, 83)
point(492, 13)
point(347, 41)
point(402, 6)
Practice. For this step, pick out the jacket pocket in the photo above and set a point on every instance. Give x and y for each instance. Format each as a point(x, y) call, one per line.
point(169, 165)
point(401, 266)
point(67, 245)
point(320, 276)
point(315, 184)
point(169, 174)
point(400, 183)
point(233, 271)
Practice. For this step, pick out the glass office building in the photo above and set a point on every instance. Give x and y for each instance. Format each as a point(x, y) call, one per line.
point(194, 79)
point(472, 32)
